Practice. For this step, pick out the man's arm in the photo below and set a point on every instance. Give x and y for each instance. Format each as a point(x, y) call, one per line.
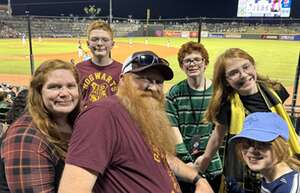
point(188, 174)
point(76, 179)
point(214, 142)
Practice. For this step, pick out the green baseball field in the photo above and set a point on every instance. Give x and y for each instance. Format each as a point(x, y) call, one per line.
point(276, 59)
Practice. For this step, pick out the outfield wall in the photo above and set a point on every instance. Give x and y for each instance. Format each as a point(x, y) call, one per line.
point(206, 34)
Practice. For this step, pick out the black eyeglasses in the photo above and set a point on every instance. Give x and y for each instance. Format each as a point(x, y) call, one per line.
point(145, 60)
point(196, 60)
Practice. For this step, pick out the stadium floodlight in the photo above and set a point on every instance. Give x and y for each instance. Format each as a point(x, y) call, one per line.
point(110, 11)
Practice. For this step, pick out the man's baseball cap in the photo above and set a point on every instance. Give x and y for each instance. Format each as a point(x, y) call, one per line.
point(145, 60)
point(263, 127)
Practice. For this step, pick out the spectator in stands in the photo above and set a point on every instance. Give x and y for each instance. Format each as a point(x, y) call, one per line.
point(186, 103)
point(127, 149)
point(80, 50)
point(99, 75)
point(262, 145)
point(4, 108)
point(239, 91)
point(34, 147)
point(4, 99)
point(13, 92)
point(18, 106)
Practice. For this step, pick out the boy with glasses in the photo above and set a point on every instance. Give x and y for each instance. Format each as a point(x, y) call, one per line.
point(239, 91)
point(99, 75)
point(262, 145)
point(186, 103)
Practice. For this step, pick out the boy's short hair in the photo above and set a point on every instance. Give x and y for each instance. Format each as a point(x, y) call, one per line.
point(101, 25)
point(188, 48)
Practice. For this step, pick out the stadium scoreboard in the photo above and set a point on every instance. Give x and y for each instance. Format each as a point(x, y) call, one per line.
point(264, 8)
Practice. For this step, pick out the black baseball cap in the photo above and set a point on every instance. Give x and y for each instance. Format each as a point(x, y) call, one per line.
point(145, 60)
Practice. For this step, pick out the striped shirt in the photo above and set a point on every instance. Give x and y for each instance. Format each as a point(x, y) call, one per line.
point(185, 108)
point(287, 183)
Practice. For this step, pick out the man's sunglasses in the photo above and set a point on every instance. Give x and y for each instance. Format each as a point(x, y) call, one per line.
point(145, 60)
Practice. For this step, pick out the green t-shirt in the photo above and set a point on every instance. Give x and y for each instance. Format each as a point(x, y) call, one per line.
point(185, 108)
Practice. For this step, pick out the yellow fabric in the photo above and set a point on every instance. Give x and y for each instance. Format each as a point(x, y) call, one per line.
point(222, 188)
point(238, 116)
point(293, 137)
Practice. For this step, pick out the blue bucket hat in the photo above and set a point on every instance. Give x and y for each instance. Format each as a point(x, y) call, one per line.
point(263, 127)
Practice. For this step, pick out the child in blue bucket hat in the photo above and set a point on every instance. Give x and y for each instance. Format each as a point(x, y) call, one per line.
point(262, 145)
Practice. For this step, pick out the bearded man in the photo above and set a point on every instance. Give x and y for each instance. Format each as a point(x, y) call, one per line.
point(123, 143)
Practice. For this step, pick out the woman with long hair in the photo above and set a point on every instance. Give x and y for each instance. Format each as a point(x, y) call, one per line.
point(33, 148)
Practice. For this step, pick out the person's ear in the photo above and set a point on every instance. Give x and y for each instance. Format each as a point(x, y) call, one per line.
point(113, 44)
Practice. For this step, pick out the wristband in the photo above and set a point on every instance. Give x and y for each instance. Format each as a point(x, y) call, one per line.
point(196, 179)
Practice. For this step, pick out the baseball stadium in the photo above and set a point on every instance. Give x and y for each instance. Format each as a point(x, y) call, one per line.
point(275, 46)
point(28, 40)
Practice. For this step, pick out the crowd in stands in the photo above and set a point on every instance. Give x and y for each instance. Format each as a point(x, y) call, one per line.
point(14, 27)
point(7, 32)
point(12, 104)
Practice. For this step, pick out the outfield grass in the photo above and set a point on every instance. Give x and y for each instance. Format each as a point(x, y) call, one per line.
point(276, 59)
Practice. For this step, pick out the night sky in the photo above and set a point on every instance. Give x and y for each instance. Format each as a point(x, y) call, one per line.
point(137, 8)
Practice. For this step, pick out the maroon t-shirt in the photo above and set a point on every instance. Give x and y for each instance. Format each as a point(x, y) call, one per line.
point(108, 142)
point(98, 82)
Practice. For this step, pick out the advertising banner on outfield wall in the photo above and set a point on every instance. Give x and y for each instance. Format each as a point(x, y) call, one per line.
point(172, 33)
point(204, 34)
point(185, 34)
point(193, 34)
point(233, 36)
point(216, 35)
point(269, 37)
point(251, 36)
point(286, 37)
point(159, 33)
point(297, 37)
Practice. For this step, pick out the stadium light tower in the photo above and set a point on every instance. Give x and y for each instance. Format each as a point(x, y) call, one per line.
point(110, 11)
point(9, 11)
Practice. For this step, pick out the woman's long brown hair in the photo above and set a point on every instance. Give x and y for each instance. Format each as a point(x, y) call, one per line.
point(41, 117)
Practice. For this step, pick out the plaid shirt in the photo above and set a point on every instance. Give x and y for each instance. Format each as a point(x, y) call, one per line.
point(30, 162)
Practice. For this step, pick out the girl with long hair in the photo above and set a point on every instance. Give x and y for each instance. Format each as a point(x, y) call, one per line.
point(238, 90)
point(262, 146)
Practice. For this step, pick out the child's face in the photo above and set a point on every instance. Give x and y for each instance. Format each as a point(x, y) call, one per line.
point(193, 64)
point(257, 155)
point(241, 75)
point(100, 43)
